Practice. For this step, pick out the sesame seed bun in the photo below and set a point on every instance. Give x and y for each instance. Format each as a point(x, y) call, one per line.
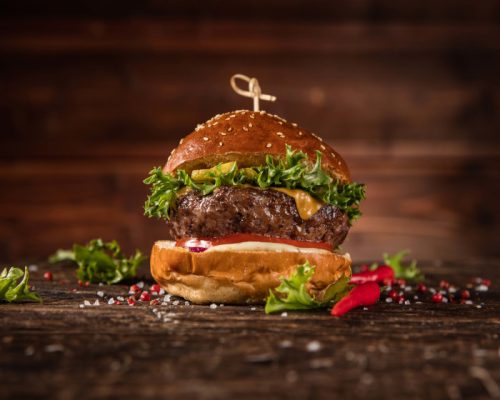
point(238, 276)
point(247, 137)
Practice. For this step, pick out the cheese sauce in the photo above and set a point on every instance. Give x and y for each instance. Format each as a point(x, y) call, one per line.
point(307, 205)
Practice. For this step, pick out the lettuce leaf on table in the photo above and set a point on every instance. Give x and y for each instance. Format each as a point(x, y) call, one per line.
point(11, 291)
point(100, 261)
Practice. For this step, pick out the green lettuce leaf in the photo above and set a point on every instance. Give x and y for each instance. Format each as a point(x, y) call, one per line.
point(100, 261)
point(294, 171)
point(408, 272)
point(292, 293)
point(11, 291)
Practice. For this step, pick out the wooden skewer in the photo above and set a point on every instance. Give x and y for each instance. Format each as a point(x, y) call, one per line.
point(253, 91)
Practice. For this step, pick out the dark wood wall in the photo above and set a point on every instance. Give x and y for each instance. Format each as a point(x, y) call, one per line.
point(94, 94)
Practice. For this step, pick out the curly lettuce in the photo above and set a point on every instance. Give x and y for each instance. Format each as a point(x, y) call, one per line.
point(11, 290)
point(292, 172)
point(100, 261)
point(292, 293)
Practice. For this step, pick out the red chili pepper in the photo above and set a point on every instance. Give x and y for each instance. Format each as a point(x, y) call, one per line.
point(364, 294)
point(383, 273)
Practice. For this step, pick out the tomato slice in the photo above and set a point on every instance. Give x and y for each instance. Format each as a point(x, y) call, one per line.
point(201, 244)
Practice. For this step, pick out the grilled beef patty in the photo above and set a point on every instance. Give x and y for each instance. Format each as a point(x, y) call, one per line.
point(230, 210)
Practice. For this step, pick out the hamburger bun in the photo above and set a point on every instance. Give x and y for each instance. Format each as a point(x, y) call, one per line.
point(247, 137)
point(239, 276)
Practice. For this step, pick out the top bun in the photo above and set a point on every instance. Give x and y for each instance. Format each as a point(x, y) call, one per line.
point(247, 137)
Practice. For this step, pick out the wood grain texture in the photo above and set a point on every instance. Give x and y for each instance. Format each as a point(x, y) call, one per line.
point(94, 95)
point(61, 351)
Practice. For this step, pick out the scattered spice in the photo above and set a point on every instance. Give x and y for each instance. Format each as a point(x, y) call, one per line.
point(145, 296)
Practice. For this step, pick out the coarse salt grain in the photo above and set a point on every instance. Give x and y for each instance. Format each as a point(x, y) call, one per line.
point(96, 303)
point(313, 346)
point(87, 303)
point(111, 301)
point(284, 314)
point(140, 284)
point(52, 348)
point(284, 344)
point(388, 300)
point(100, 293)
point(213, 306)
point(176, 303)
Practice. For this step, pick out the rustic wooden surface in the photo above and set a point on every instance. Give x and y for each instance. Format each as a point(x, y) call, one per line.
point(59, 351)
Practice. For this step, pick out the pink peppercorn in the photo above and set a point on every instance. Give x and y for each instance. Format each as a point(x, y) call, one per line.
point(437, 298)
point(145, 296)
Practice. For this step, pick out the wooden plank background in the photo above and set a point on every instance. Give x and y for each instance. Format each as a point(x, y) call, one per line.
point(94, 95)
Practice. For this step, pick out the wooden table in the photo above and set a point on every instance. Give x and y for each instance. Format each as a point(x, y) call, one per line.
point(58, 350)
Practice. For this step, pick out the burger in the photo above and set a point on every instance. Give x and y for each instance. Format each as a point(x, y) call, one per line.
point(247, 197)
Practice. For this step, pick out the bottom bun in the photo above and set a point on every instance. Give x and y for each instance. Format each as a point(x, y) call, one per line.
point(238, 276)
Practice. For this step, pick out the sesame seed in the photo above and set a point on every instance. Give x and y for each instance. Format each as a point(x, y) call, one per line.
point(268, 145)
point(221, 144)
point(262, 112)
point(294, 124)
point(205, 138)
point(279, 122)
point(245, 129)
point(215, 123)
point(223, 133)
point(198, 127)
point(180, 141)
point(229, 129)
point(280, 134)
point(252, 116)
point(323, 147)
point(333, 155)
point(300, 133)
point(250, 125)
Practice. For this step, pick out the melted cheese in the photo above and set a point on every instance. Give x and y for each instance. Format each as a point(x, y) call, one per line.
point(307, 205)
